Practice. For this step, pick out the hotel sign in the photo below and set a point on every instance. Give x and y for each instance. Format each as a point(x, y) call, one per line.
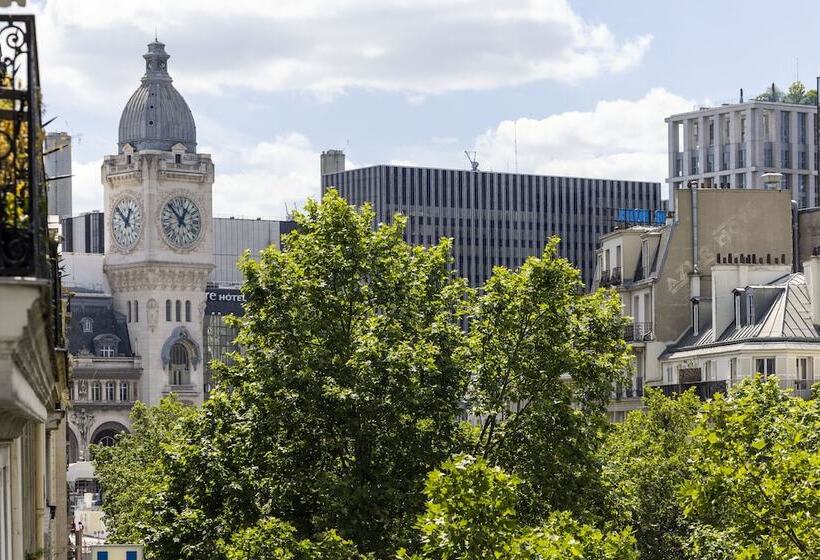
point(223, 301)
point(641, 216)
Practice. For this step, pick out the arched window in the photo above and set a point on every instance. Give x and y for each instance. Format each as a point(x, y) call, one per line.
point(136, 311)
point(179, 311)
point(180, 365)
point(96, 391)
point(129, 311)
point(167, 309)
point(187, 311)
point(124, 392)
point(87, 323)
point(109, 390)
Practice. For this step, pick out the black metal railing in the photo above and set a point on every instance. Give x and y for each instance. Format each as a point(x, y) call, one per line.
point(615, 276)
point(24, 247)
point(638, 332)
point(705, 389)
point(604, 281)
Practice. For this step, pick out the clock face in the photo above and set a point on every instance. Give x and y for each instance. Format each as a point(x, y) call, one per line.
point(126, 223)
point(181, 221)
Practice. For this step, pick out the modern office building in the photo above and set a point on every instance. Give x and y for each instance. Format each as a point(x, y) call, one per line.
point(493, 218)
point(57, 161)
point(84, 233)
point(734, 145)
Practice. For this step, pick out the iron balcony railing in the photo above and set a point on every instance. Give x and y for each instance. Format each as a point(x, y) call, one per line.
point(638, 332)
point(615, 276)
point(24, 245)
point(705, 389)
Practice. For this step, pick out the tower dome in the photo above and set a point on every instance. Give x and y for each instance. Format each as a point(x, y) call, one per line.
point(157, 117)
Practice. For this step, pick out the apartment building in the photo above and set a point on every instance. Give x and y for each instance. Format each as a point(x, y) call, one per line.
point(665, 277)
point(734, 145)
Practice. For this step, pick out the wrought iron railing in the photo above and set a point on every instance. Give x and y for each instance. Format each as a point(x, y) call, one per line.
point(24, 247)
point(705, 389)
point(615, 276)
point(638, 332)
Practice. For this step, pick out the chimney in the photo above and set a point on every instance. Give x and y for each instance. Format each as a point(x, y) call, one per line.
point(332, 161)
point(811, 269)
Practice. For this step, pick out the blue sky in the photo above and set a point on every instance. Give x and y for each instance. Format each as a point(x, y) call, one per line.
point(584, 85)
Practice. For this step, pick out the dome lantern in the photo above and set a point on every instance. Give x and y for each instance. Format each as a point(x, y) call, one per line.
point(156, 116)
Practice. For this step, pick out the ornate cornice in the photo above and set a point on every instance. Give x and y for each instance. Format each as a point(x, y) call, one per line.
point(158, 276)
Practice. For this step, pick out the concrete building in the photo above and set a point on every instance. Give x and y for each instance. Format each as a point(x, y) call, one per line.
point(733, 145)
point(493, 218)
point(57, 160)
point(667, 282)
point(34, 366)
point(84, 233)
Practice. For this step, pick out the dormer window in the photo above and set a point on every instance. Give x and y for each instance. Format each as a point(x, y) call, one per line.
point(128, 159)
point(106, 345)
point(177, 158)
point(737, 310)
point(87, 324)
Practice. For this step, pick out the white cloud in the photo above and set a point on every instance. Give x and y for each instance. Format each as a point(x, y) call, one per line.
point(418, 48)
point(86, 188)
point(620, 139)
point(275, 175)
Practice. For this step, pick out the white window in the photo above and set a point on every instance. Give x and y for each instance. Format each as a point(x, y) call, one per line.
point(109, 391)
point(124, 392)
point(707, 371)
point(804, 379)
point(106, 350)
point(87, 324)
point(180, 373)
point(764, 366)
point(96, 391)
point(732, 372)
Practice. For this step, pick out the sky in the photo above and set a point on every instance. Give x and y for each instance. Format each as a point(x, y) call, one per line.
point(582, 87)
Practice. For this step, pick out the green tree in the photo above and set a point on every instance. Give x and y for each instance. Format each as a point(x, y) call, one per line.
point(796, 93)
point(345, 395)
point(272, 539)
point(133, 473)
point(543, 357)
point(755, 473)
point(645, 460)
point(772, 93)
point(471, 514)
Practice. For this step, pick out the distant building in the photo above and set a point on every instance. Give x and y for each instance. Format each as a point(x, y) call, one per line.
point(733, 145)
point(494, 218)
point(84, 233)
point(711, 293)
point(57, 161)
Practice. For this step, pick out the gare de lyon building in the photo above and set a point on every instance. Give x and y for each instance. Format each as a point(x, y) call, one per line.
point(153, 274)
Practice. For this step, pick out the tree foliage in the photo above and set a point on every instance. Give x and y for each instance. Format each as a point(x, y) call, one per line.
point(797, 93)
point(756, 471)
point(543, 357)
point(273, 539)
point(133, 474)
point(471, 514)
point(645, 460)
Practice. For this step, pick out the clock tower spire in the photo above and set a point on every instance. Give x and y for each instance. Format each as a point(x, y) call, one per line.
point(159, 251)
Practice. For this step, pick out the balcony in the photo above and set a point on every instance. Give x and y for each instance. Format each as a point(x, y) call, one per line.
point(24, 243)
point(615, 276)
point(638, 332)
point(704, 390)
point(604, 281)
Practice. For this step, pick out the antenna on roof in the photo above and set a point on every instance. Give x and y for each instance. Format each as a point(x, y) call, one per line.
point(516, 144)
point(472, 159)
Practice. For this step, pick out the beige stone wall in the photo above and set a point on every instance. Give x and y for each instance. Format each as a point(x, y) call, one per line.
point(737, 222)
point(808, 233)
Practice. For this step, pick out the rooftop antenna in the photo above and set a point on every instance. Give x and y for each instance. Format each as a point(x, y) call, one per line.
point(472, 159)
point(155, 35)
point(515, 129)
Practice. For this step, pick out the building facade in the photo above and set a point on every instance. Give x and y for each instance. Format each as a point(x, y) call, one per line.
point(493, 218)
point(57, 160)
point(154, 274)
point(34, 366)
point(734, 145)
point(666, 277)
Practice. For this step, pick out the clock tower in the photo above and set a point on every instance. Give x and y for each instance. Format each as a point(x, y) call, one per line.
point(158, 246)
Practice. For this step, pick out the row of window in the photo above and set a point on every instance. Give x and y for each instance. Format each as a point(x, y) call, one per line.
point(803, 376)
point(177, 307)
point(99, 391)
